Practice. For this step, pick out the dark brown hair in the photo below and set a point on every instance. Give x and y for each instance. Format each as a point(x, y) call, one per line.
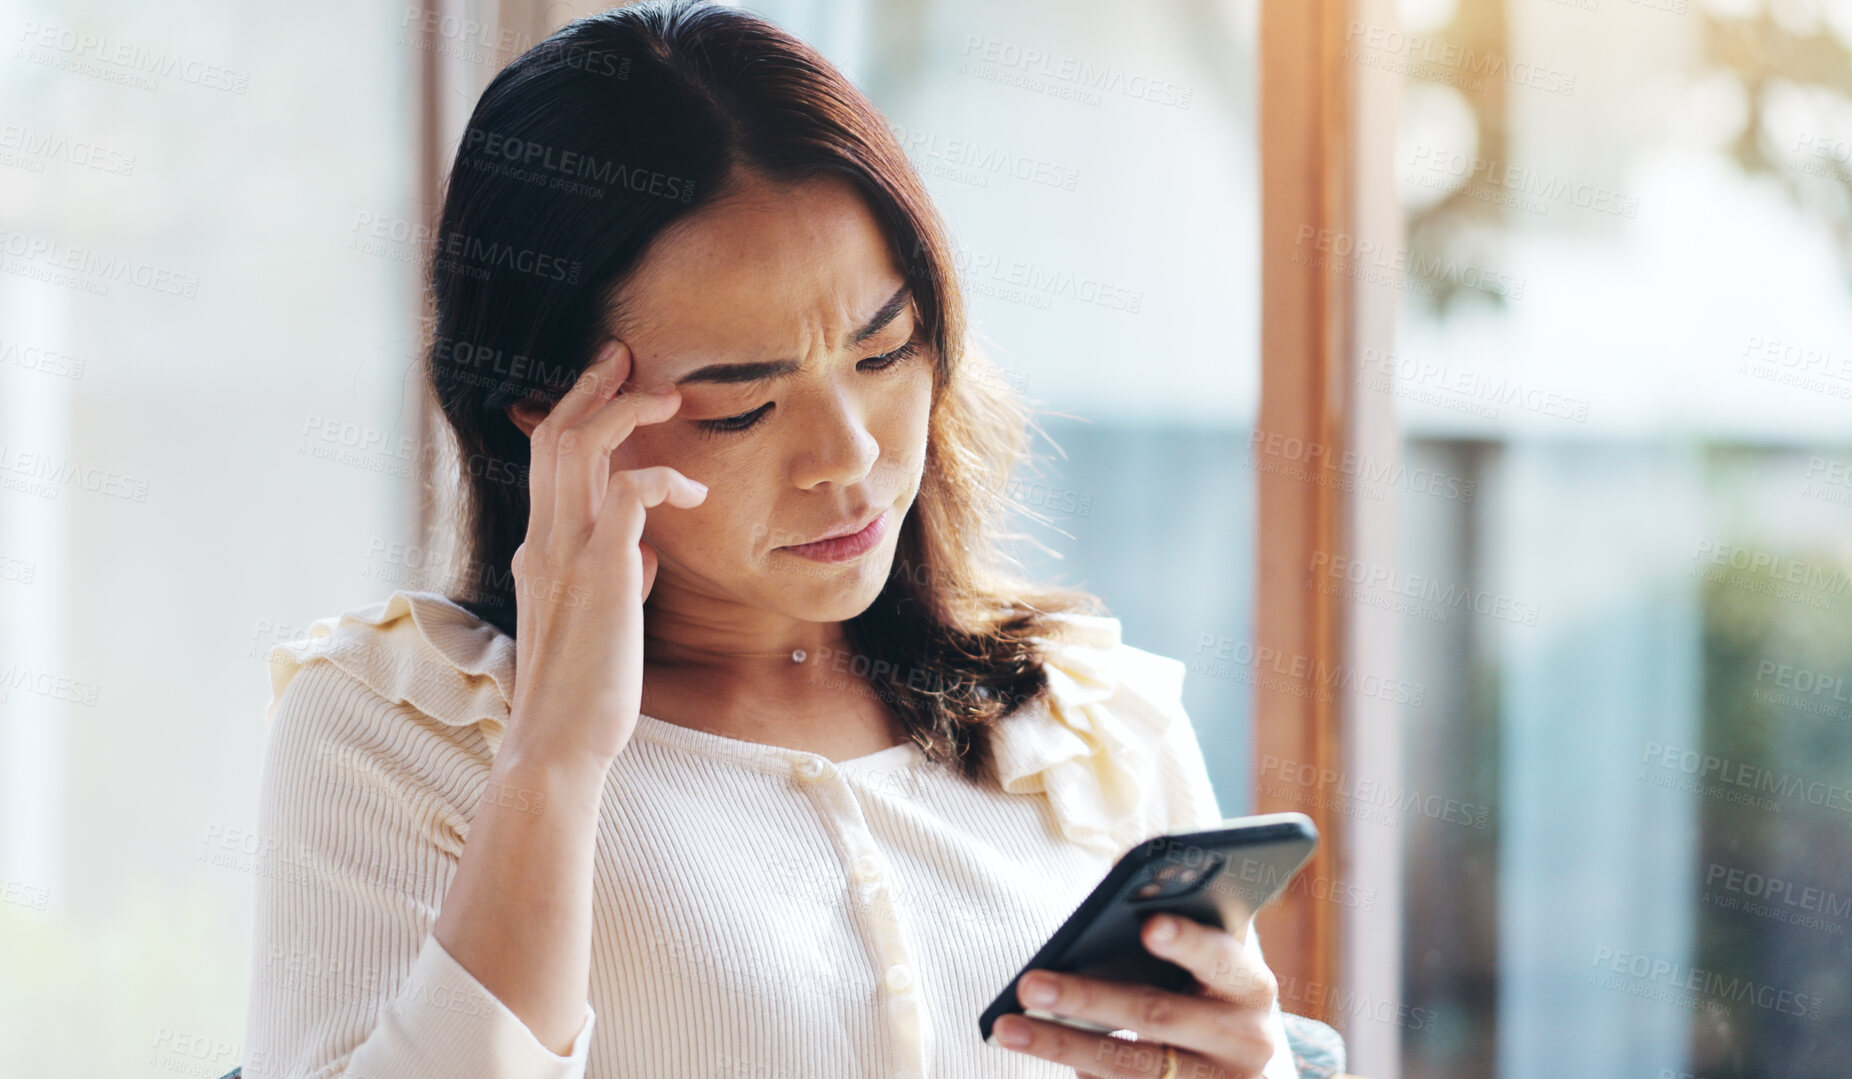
point(582, 151)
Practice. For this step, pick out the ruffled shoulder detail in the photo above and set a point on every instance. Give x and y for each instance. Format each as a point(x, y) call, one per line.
point(419, 648)
point(1094, 747)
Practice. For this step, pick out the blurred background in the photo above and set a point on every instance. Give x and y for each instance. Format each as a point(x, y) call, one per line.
point(1621, 372)
point(1650, 388)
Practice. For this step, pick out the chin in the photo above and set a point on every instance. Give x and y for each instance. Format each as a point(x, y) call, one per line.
point(832, 591)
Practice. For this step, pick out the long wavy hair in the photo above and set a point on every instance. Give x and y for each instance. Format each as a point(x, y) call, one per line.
point(577, 155)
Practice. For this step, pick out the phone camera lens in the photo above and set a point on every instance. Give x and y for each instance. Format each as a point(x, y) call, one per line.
point(1175, 880)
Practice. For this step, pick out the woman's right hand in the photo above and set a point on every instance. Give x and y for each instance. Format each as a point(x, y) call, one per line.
point(583, 571)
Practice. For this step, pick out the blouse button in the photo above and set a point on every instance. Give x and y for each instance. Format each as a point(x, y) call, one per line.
point(900, 977)
point(810, 767)
point(868, 867)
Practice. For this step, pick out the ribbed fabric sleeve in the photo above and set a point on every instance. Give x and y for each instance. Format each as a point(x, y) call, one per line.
point(359, 842)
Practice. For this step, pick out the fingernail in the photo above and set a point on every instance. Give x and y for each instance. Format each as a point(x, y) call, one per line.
point(1037, 992)
point(699, 484)
point(1010, 1032)
point(1165, 929)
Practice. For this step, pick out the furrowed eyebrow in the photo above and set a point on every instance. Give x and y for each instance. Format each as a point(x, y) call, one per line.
point(888, 313)
point(739, 372)
point(763, 370)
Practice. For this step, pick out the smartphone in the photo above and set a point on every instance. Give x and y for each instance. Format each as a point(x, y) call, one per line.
point(1221, 877)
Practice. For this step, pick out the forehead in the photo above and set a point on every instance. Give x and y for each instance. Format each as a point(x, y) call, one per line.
point(768, 273)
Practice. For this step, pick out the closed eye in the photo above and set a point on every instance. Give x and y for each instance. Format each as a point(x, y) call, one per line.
point(748, 420)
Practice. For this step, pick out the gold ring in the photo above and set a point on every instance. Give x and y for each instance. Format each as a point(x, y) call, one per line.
point(1170, 1063)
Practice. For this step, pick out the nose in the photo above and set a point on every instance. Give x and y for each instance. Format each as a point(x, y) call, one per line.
point(837, 446)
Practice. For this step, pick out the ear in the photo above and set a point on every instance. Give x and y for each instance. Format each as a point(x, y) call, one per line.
point(526, 415)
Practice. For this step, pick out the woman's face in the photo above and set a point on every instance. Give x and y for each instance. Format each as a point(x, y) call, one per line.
point(799, 277)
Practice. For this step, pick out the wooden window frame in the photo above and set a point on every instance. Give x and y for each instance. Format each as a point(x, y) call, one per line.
point(1327, 131)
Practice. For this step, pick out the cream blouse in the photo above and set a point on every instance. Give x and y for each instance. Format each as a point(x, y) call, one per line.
point(759, 912)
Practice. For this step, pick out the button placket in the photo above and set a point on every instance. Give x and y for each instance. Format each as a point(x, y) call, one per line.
point(870, 883)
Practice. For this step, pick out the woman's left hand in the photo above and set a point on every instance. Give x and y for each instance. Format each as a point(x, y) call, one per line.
point(1222, 1031)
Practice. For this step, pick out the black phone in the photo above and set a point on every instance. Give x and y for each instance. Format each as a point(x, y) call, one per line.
point(1221, 877)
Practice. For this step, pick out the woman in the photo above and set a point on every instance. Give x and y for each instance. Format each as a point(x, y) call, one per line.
point(737, 752)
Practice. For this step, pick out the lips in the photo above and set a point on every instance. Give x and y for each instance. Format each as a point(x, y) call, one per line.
point(846, 528)
point(845, 548)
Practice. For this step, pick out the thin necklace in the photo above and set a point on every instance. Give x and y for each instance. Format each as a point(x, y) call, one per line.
point(796, 655)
